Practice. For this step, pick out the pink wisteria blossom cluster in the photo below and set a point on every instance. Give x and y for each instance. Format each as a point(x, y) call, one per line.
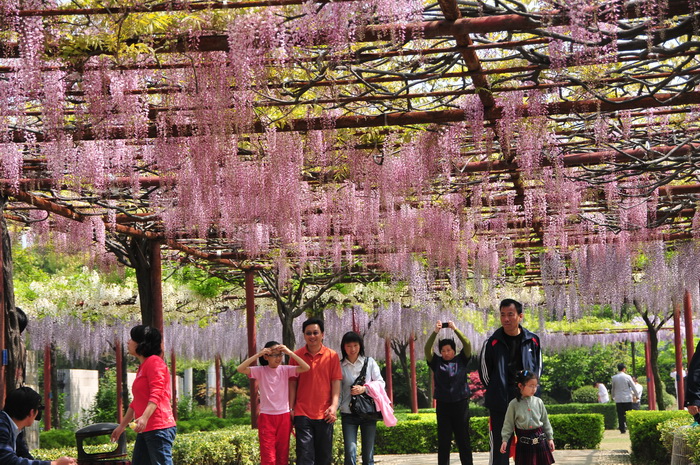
point(647, 275)
point(229, 170)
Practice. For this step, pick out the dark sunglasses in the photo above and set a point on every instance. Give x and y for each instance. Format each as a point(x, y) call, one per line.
point(39, 411)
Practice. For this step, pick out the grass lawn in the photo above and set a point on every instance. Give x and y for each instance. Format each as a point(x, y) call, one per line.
point(614, 440)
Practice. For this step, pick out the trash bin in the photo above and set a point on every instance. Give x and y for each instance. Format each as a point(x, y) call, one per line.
point(681, 451)
point(117, 456)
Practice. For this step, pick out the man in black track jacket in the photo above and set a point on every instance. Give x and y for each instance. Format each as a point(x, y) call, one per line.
point(510, 348)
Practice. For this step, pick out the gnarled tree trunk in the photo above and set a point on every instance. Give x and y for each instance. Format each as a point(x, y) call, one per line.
point(136, 253)
point(16, 352)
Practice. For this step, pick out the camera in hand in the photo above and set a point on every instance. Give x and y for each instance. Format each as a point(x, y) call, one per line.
point(445, 324)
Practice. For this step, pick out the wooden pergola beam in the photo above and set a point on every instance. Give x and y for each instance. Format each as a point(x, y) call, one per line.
point(65, 212)
point(413, 117)
point(165, 7)
point(421, 30)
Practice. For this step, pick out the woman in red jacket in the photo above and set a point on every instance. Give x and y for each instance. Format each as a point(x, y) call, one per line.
point(151, 408)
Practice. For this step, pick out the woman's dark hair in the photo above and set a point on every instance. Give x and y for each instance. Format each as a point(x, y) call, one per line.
point(351, 336)
point(20, 401)
point(261, 360)
point(522, 377)
point(22, 319)
point(447, 342)
point(148, 339)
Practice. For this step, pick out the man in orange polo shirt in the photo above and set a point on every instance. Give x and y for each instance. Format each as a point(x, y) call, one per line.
point(314, 396)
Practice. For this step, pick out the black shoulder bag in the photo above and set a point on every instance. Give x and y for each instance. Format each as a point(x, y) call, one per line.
point(363, 405)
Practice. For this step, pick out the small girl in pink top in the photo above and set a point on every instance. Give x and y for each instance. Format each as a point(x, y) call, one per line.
point(275, 420)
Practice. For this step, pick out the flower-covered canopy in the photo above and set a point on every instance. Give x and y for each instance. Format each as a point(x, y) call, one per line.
point(489, 138)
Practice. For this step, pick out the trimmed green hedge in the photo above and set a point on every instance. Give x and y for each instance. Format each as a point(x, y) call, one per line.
point(418, 434)
point(692, 436)
point(474, 411)
point(647, 445)
point(585, 395)
point(577, 431)
point(607, 410)
point(238, 445)
point(56, 438)
point(669, 429)
point(208, 424)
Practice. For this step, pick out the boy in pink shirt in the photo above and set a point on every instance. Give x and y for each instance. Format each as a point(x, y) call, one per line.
point(274, 421)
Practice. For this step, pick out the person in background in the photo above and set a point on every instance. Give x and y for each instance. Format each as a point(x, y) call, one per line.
point(510, 349)
point(22, 408)
point(274, 421)
point(623, 393)
point(527, 417)
point(352, 347)
point(692, 386)
point(603, 396)
point(151, 409)
point(676, 378)
point(451, 392)
point(314, 396)
point(638, 390)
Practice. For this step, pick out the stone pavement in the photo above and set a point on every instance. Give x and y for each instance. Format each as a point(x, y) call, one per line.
point(614, 450)
point(562, 457)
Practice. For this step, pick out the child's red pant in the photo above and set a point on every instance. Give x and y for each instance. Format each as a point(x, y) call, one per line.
point(273, 433)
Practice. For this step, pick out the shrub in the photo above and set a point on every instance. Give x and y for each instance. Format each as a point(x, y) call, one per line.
point(59, 438)
point(474, 411)
point(479, 430)
point(55, 438)
point(239, 404)
point(692, 437)
point(235, 446)
point(185, 408)
point(239, 444)
point(581, 431)
point(407, 437)
point(585, 395)
point(647, 447)
point(205, 424)
point(668, 430)
point(607, 410)
point(478, 411)
point(477, 388)
point(104, 408)
point(670, 401)
point(52, 454)
point(548, 400)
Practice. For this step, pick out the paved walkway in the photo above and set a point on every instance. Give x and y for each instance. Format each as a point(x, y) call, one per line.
point(563, 457)
point(614, 451)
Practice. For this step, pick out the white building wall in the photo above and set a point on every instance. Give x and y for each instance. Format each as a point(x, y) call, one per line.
point(79, 388)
